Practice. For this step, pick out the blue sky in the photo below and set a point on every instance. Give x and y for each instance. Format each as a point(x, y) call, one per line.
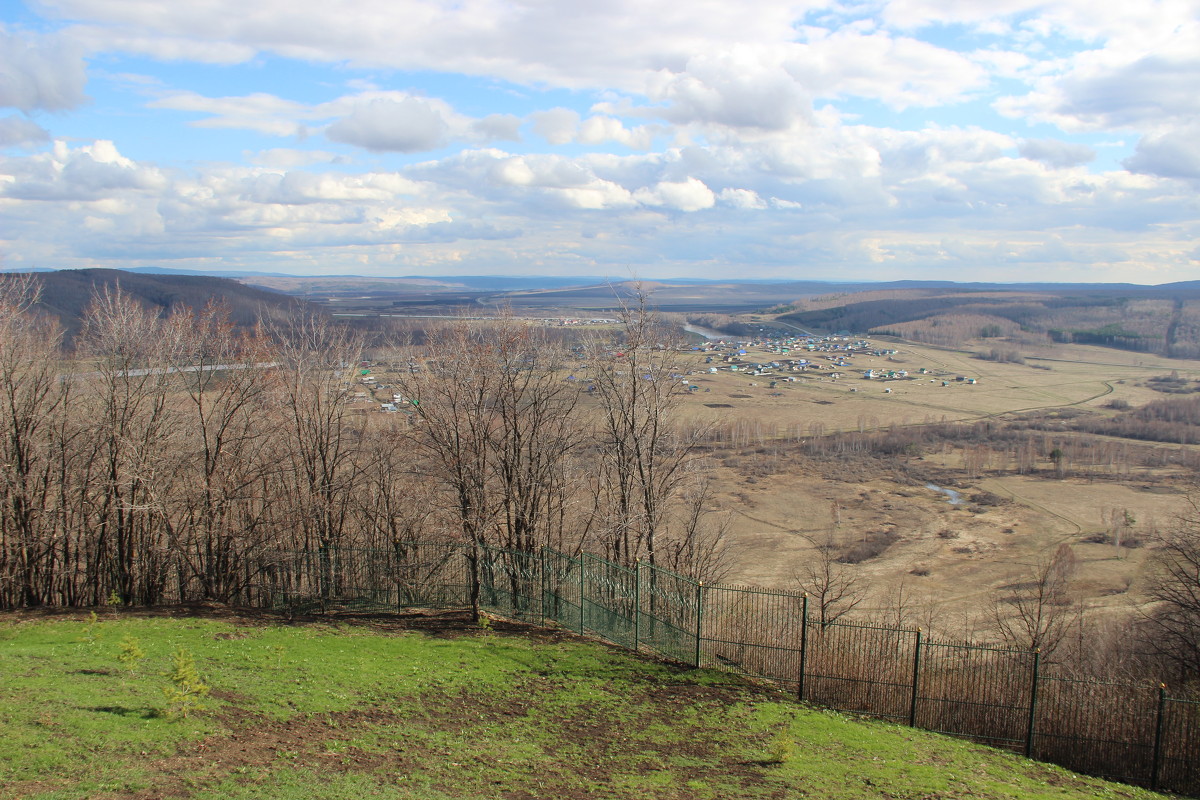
point(1013, 140)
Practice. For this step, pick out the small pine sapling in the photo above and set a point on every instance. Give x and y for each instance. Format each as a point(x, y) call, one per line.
point(131, 653)
point(187, 691)
point(781, 749)
point(89, 632)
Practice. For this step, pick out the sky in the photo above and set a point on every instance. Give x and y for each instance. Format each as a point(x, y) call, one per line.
point(1006, 140)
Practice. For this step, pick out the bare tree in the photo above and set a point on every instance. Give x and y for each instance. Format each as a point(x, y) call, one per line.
point(642, 448)
point(125, 404)
point(1036, 612)
point(696, 543)
point(538, 435)
point(314, 361)
point(33, 399)
point(396, 503)
point(495, 423)
point(834, 588)
point(1172, 627)
point(215, 510)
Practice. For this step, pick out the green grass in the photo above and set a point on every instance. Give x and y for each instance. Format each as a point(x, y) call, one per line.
point(317, 711)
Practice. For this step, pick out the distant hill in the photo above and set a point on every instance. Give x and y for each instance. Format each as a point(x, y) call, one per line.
point(226, 273)
point(67, 293)
point(1156, 319)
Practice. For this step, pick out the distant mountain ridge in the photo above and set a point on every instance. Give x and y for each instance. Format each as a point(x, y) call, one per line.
point(66, 294)
point(535, 282)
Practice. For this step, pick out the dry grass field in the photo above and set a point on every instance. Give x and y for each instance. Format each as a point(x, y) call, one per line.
point(949, 559)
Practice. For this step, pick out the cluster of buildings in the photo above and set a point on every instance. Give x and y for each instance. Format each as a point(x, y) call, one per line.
point(829, 354)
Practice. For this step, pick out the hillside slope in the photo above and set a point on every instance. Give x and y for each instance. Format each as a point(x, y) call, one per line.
point(381, 710)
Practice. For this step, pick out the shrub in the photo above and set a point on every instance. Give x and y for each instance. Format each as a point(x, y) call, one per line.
point(868, 547)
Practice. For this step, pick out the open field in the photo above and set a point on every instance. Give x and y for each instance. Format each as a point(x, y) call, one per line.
point(1076, 375)
point(950, 558)
point(431, 708)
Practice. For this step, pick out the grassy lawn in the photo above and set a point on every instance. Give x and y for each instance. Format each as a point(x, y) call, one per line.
point(321, 710)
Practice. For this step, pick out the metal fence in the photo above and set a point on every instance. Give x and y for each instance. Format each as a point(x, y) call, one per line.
point(999, 696)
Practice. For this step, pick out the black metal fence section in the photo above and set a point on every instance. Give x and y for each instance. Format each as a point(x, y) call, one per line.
point(753, 632)
point(982, 693)
point(1177, 766)
point(671, 612)
point(1105, 729)
point(867, 669)
point(610, 595)
point(410, 574)
point(1002, 697)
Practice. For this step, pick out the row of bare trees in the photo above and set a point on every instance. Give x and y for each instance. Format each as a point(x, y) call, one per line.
point(180, 457)
point(535, 445)
point(165, 455)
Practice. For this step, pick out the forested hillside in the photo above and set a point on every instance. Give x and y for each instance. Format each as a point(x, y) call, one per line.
point(66, 294)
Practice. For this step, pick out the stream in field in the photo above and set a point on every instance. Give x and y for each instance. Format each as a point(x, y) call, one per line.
point(707, 333)
point(952, 497)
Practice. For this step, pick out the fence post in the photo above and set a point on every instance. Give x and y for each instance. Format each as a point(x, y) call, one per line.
point(324, 574)
point(1033, 694)
point(803, 645)
point(542, 587)
point(912, 703)
point(699, 618)
point(582, 556)
point(637, 604)
point(1156, 765)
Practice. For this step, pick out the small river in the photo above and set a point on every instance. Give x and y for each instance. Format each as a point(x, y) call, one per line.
point(952, 497)
point(707, 333)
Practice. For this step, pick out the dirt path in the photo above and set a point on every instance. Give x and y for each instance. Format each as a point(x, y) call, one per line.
point(994, 485)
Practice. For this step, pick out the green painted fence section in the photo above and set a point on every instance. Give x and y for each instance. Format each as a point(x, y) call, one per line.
point(1003, 697)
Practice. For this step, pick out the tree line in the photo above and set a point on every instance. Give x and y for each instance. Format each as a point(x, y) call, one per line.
point(178, 457)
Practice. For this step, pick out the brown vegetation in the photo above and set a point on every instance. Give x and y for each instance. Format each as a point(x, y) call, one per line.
point(182, 458)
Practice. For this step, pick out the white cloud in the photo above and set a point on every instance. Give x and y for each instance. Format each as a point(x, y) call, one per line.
point(557, 126)
point(560, 126)
point(406, 125)
point(737, 88)
point(40, 72)
point(570, 43)
point(260, 112)
point(17, 131)
point(379, 121)
point(594, 195)
point(689, 195)
point(1056, 153)
point(497, 128)
point(1094, 94)
point(1139, 25)
point(777, 122)
point(302, 188)
point(898, 71)
point(91, 172)
point(742, 198)
point(286, 158)
point(600, 129)
point(1173, 154)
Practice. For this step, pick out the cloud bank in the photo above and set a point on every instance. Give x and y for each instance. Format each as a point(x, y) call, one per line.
point(911, 138)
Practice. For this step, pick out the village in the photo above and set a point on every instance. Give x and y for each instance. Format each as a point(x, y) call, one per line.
point(774, 360)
